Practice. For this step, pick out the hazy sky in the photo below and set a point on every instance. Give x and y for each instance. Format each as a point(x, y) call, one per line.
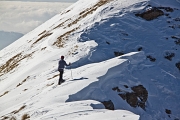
point(22, 16)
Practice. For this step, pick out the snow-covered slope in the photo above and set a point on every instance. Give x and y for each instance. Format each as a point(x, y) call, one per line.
point(143, 78)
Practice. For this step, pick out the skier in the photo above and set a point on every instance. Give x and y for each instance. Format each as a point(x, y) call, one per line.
point(61, 66)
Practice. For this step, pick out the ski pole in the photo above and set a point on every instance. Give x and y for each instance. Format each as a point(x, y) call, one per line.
point(71, 72)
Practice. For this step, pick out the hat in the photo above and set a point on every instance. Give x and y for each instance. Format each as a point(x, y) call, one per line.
point(62, 57)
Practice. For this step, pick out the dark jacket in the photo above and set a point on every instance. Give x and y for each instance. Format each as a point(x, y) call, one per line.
point(62, 64)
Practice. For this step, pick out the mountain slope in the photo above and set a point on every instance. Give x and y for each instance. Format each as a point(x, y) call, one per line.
point(144, 79)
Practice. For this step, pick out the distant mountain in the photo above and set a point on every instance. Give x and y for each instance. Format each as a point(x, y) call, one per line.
point(7, 38)
point(125, 57)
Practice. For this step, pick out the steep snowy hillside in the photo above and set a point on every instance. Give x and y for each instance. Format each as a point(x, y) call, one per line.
point(124, 54)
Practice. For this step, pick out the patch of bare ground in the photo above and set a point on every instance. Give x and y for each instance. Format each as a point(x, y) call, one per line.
point(42, 32)
point(22, 82)
point(25, 117)
point(53, 77)
point(43, 48)
point(13, 62)
point(42, 35)
point(65, 12)
point(59, 43)
point(7, 118)
point(88, 11)
point(25, 89)
point(11, 116)
point(4, 93)
point(84, 13)
point(61, 39)
point(62, 24)
point(17, 111)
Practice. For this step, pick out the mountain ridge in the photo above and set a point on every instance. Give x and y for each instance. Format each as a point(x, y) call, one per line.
point(102, 35)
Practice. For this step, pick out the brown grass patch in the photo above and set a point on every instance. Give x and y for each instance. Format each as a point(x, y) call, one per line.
point(42, 32)
point(88, 11)
point(25, 116)
point(13, 63)
point(60, 40)
point(43, 48)
point(4, 93)
point(62, 24)
point(25, 89)
point(22, 81)
point(42, 35)
point(17, 111)
point(53, 77)
point(7, 118)
point(59, 43)
point(67, 11)
point(4, 118)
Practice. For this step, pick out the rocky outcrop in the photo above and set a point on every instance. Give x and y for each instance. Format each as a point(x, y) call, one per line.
point(151, 14)
point(154, 13)
point(137, 98)
point(178, 65)
point(108, 105)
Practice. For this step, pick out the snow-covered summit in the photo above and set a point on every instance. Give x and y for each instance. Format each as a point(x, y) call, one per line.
point(124, 55)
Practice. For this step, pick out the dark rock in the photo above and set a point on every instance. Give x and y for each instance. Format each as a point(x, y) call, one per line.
point(151, 14)
point(118, 53)
point(108, 42)
point(126, 86)
point(151, 58)
point(175, 37)
point(168, 9)
point(168, 111)
point(141, 92)
point(177, 42)
point(131, 99)
point(166, 14)
point(108, 105)
point(169, 55)
point(140, 48)
point(178, 65)
point(137, 98)
point(116, 89)
point(123, 96)
point(177, 19)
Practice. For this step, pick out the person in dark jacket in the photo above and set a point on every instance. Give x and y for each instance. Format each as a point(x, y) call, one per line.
point(62, 64)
